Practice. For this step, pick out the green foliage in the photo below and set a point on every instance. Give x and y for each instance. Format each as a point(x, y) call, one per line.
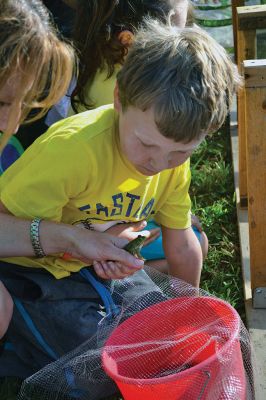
point(213, 201)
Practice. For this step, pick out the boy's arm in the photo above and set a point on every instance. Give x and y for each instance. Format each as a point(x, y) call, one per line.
point(183, 254)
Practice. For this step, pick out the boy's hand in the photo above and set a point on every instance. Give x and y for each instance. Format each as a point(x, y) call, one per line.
point(131, 230)
point(196, 222)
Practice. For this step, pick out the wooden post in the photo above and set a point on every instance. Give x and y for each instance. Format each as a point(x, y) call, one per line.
point(235, 4)
point(248, 19)
point(245, 50)
point(255, 92)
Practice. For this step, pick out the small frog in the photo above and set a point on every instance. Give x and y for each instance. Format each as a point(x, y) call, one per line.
point(135, 246)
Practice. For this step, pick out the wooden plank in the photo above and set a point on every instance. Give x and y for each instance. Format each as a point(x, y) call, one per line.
point(252, 17)
point(255, 73)
point(252, 11)
point(235, 4)
point(256, 172)
point(252, 24)
point(246, 49)
point(255, 319)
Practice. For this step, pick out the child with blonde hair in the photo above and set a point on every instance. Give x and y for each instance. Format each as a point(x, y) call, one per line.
point(36, 68)
point(35, 71)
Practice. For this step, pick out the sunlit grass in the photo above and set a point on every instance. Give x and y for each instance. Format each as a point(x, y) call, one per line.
point(213, 198)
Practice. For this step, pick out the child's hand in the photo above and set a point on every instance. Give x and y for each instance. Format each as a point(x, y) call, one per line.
point(196, 222)
point(131, 230)
point(153, 235)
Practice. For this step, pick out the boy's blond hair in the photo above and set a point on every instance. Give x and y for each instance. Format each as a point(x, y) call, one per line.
point(30, 45)
point(184, 75)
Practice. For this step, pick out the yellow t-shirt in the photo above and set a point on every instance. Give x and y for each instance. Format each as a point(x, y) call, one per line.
point(76, 173)
point(101, 91)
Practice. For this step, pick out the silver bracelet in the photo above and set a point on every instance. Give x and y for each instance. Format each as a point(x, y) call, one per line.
point(35, 238)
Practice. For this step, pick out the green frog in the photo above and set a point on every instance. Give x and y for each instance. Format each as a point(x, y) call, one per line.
point(135, 246)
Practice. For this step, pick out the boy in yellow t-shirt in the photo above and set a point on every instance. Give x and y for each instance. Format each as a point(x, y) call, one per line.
point(108, 168)
point(127, 164)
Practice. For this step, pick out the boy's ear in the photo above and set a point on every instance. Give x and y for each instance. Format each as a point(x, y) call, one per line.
point(117, 104)
point(126, 38)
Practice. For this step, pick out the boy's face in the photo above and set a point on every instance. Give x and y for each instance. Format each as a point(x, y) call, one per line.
point(145, 147)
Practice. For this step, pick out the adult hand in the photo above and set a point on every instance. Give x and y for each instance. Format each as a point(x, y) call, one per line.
point(129, 231)
point(100, 246)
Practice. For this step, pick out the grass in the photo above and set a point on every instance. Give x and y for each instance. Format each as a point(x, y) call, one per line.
point(213, 199)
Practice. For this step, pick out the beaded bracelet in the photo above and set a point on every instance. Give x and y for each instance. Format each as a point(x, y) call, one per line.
point(35, 238)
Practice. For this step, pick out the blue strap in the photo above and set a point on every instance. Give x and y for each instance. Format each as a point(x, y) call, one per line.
point(8, 346)
point(33, 329)
point(111, 308)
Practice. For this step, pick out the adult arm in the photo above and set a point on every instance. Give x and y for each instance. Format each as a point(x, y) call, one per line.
point(61, 238)
point(183, 254)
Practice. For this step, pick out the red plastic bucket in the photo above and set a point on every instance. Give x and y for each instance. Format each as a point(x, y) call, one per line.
point(183, 348)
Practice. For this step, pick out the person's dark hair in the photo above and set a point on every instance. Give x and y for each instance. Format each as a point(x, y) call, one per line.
point(98, 24)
